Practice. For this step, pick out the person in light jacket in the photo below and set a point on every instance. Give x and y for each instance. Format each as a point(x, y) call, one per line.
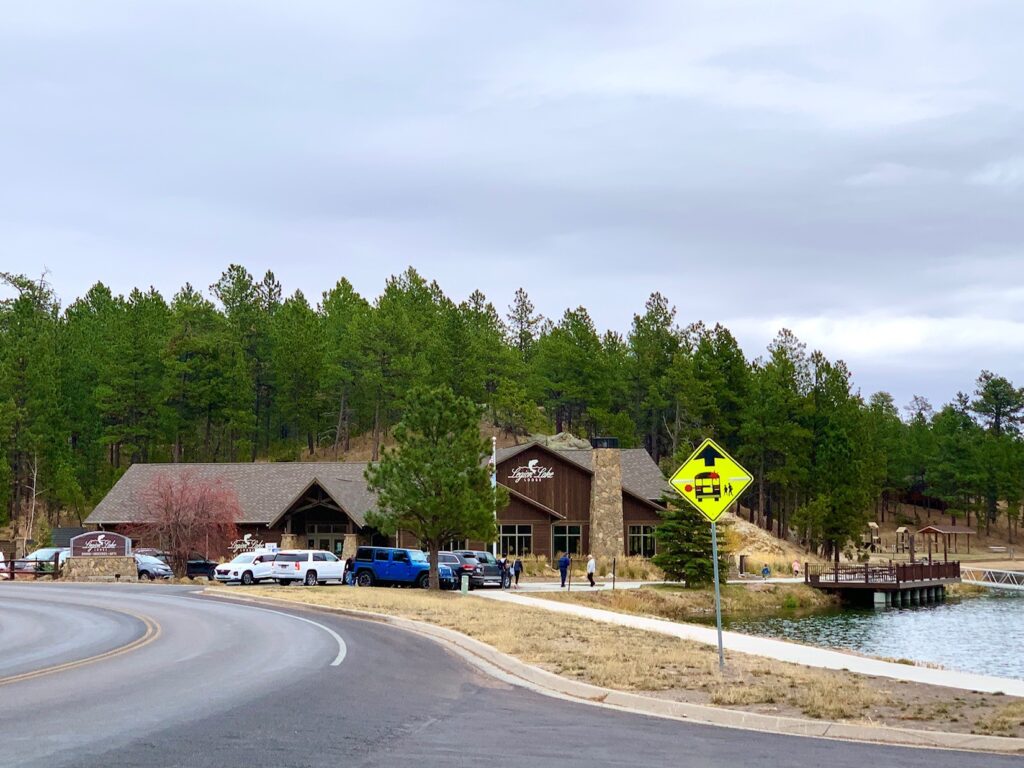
point(591, 570)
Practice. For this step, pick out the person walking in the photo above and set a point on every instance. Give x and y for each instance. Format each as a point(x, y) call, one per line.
point(517, 570)
point(591, 570)
point(563, 566)
point(505, 575)
point(349, 576)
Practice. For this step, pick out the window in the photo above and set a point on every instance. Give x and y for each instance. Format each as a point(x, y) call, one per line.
point(328, 557)
point(567, 538)
point(319, 557)
point(364, 553)
point(291, 557)
point(641, 541)
point(516, 540)
point(418, 556)
point(400, 557)
point(380, 554)
point(455, 544)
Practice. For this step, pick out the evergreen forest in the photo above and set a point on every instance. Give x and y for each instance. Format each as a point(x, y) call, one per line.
point(241, 372)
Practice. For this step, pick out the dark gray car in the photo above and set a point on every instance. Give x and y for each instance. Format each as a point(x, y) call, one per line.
point(488, 573)
point(460, 564)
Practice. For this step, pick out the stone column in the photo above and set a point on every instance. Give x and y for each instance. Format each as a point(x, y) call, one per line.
point(292, 541)
point(606, 520)
point(350, 546)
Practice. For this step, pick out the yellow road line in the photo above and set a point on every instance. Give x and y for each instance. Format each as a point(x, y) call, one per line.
point(152, 633)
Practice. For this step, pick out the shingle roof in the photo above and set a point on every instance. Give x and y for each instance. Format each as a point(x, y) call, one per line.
point(265, 491)
point(640, 475)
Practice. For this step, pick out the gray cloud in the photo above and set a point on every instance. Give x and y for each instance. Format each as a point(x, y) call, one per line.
point(852, 172)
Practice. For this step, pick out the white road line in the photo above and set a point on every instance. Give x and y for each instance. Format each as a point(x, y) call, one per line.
point(244, 603)
point(342, 648)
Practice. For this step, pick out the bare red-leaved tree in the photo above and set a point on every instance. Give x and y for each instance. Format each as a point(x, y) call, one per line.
point(186, 514)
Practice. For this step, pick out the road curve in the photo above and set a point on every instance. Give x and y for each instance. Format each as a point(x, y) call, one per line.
point(228, 685)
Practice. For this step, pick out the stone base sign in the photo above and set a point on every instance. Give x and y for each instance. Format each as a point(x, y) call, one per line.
point(101, 556)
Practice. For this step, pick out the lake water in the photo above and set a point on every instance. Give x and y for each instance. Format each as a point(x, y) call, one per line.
point(974, 634)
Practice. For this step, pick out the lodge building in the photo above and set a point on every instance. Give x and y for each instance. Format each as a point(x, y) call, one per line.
point(577, 500)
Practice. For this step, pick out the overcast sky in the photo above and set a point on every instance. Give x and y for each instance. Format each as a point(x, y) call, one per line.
point(854, 173)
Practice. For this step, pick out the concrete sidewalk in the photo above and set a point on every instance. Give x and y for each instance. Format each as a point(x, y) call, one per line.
point(778, 649)
point(577, 586)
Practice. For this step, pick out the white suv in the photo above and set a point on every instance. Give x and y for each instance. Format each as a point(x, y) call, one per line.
point(247, 568)
point(310, 566)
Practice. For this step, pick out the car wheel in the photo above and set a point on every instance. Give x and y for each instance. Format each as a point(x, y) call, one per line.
point(146, 576)
point(247, 578)
point(423, 582)
point(364, 579)
point(284, 582)
point(310, 578)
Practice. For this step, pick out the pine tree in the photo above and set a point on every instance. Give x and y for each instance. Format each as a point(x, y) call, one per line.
point(684, 545)
point(435, 484)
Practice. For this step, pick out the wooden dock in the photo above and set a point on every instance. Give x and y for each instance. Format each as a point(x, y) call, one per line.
point(895, 584)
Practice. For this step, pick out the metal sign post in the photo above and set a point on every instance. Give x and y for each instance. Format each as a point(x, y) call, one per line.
point(711, 481)
point(718, 596)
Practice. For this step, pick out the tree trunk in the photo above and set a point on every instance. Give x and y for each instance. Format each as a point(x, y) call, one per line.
point(435, 579)
point(760, 488)
point(310, 443)
point(341, 422)
point(376, 430)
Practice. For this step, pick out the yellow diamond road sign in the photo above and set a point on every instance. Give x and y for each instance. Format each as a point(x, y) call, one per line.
point(711, 480)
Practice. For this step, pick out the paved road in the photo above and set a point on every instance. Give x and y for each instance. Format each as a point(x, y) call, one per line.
point(223, 684)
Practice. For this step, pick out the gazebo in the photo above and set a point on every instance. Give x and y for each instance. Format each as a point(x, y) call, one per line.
point(945, 531)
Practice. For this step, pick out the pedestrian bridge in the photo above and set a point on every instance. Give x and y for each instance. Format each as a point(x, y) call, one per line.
point(989, 577)
point(893, 584)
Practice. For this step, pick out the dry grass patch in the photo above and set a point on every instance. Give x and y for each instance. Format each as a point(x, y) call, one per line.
point(630, 659)
point(678, 604)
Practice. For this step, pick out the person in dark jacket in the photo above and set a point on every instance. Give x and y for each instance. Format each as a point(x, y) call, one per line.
point(563, 566)
point(517, 570)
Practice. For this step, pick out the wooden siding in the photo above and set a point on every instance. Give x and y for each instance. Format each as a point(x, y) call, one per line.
point(568, 492)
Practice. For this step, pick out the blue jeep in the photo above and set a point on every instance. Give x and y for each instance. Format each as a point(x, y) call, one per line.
point(406, 567)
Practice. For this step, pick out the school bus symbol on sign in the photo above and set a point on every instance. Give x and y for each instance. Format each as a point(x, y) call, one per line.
point(711, 480)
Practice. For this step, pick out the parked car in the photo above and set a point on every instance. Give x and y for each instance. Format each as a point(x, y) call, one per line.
point(247, 568)
point(461, 564)
point(41, 560)
point(152, 568)
point(405, 567)
point(199, 566)
point(489, 572)
point(310, 566)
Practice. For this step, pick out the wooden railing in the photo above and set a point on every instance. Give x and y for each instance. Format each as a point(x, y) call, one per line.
point(868, 573)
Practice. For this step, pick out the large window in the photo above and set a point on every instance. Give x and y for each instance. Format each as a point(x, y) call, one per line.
point(454, 545)
point(566, 538)
point(516, 540)
point(641, 541)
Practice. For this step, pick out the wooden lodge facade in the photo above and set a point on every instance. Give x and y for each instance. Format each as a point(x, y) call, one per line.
point(603, 500)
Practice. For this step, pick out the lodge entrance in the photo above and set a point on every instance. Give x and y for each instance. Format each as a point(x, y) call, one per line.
point(326, 536)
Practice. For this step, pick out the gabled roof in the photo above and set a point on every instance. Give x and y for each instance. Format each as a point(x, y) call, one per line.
point(640, 475)
point(534, 503)
point(265, 491)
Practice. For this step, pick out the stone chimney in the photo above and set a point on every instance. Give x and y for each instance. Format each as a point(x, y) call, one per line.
point(606, 521)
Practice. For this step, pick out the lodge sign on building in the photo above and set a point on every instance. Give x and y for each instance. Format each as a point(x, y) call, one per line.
point(101, 544)
point(531, 472)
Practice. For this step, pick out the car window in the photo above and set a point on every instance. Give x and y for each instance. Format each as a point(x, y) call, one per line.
point(443, 558)
point(330, 558)
point(418, 556)
point(319, 557)
point(364, 553)
point(380, 554)
point(291, 557)
point(245, 557)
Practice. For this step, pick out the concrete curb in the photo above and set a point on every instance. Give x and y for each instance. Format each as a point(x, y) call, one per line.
point(511, 670)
